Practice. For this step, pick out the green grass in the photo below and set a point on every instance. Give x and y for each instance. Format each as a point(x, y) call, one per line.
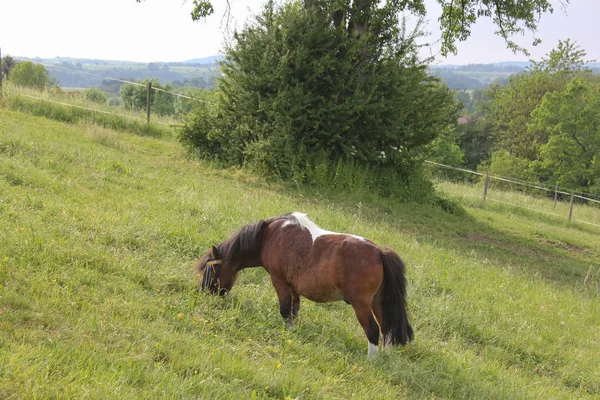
point(470, 193)
point(99, 230)
point(65, 108)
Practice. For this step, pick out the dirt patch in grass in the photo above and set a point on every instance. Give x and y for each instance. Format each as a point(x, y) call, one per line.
point(569, 247)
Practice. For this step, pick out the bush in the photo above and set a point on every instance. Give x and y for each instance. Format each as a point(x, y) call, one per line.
point(297, 89)
point(95, 95)
point(30, 75)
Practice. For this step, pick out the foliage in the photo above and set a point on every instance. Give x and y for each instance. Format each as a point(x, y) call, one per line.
point(31, 75)
point(545, 121)
point(295, 85)
point(458, 80)
point(510, 110)
point(475, 141)
point(510, 18)
point(445, 149)
point(95, 95)
point(135, 97)
point(8, 64)
point(508, 165)
point(571, 156)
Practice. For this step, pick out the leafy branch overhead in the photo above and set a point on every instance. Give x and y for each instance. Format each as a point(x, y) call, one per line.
point(511, 18)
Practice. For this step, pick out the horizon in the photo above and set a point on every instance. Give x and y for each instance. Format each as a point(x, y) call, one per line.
point(173, 26)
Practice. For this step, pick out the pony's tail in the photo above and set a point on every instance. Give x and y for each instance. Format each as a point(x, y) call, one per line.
point(396, 327)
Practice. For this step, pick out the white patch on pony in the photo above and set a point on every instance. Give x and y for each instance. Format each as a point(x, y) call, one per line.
point(373, 349)
point(387, 340)
point(315, 232)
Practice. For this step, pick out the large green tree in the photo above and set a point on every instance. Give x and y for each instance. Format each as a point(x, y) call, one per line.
point(295, 87)
point(509, 113)
point(546, 122)
point(571, 156)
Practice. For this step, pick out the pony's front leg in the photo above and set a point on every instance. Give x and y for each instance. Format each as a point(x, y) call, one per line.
point(286, 305)
point(295, 305)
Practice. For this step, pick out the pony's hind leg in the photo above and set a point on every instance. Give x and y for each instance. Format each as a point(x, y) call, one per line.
point(370, 327)
point(378, 311)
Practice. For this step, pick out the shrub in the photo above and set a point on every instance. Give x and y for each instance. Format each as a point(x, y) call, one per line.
point(296, 88)
point(95, 95)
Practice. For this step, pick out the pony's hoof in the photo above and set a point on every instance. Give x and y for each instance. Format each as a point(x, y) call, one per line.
point(290, 326)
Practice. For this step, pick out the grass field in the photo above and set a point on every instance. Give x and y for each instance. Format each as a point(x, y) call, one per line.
point(99, 230)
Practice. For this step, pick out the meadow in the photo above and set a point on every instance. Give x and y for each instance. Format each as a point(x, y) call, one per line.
point(100, 228)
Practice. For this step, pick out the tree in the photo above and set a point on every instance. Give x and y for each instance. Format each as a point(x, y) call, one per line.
point(95, 95)
point(476, 142)
point(567, 60)
point(297, 90)
point(8, 64)
point(135, 97)
point(571, 156)
point(458, 16)
point(509, 111)
point(30, 75)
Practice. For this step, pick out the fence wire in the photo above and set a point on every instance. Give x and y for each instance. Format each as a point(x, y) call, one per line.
point(90, 109)
point(522, 183)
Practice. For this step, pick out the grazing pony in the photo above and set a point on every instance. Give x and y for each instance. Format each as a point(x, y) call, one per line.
point(305, 260)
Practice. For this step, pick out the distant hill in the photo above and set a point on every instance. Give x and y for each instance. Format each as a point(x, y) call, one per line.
point(73, 72)
point(205, 60)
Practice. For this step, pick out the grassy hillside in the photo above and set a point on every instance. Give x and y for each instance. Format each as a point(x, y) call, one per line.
point(99, 230)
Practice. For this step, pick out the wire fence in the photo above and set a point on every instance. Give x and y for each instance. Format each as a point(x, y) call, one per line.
point(90, 109)
point(591, 202)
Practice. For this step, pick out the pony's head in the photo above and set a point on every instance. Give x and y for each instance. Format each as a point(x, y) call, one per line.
point(216, 275)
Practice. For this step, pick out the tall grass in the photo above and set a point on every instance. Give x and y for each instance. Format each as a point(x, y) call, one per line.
point(586, 213)
point(47, 104)
point(99, 230)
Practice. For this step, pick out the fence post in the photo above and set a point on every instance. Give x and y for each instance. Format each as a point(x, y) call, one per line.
point(571, 205)
point(555, 194)
point(148, 102)
point(485, 185)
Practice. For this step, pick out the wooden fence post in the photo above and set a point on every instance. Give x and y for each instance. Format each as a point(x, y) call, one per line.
point(148, 102)
point(485, 185)
point(571, 205)
point(555, 194)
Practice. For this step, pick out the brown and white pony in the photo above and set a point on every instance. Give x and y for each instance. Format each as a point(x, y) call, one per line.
point(305, 260)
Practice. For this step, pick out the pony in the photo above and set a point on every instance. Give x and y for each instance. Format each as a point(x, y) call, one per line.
point(305, 260)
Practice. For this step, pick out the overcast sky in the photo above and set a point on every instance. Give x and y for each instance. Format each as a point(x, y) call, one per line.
point(162, 30)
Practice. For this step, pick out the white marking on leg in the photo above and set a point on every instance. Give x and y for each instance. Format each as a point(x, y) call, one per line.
point(372, 350)
point(387, 341)
point(315, 231)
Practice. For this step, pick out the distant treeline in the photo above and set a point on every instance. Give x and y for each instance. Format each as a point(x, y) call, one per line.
point(69, 74)
point(498, 67)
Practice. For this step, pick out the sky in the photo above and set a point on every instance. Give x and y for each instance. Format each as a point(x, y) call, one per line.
point(162, 30)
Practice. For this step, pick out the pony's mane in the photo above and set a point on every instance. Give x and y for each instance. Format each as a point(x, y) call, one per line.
point(245, 243)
